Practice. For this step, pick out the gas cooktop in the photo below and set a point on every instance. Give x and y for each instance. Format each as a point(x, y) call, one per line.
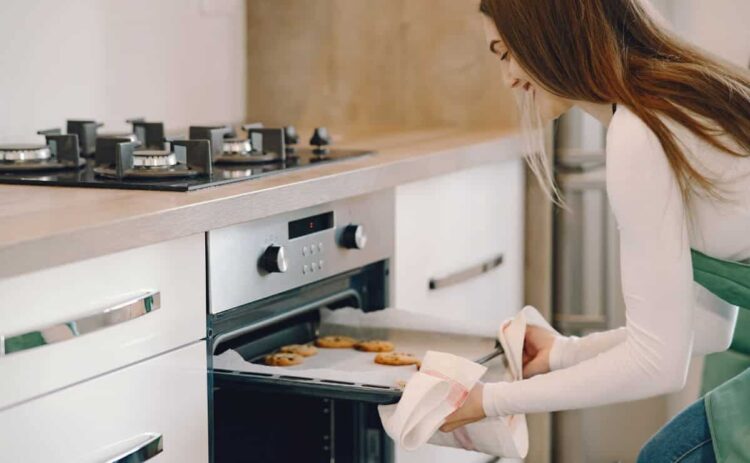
point(145, 159)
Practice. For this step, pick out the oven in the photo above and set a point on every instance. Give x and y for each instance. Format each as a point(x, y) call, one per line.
point(269, 281)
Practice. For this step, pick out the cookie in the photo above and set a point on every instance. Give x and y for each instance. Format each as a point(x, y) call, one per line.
point(305, 350)
point(374, 346)
point(396, 359)
point(336, 342)
point(283, 359)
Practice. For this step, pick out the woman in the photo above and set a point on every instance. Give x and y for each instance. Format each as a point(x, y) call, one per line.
point(678, 177)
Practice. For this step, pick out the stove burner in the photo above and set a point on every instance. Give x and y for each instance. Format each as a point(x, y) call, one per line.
point(121, 159)
point(154, 158)
point(24, 152)
point(262, 145)
point(237, 146)
point(61, 152)
point(239, 151)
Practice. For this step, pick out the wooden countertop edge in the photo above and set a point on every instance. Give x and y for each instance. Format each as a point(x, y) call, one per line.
point(130, 218)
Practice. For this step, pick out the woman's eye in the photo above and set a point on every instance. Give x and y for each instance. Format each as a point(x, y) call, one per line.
point(504, 56)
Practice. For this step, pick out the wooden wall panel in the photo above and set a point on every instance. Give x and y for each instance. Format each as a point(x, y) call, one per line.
point(362, 65)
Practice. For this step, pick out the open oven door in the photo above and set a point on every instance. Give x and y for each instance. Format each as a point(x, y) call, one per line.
point(280, 418)
point(255, 329)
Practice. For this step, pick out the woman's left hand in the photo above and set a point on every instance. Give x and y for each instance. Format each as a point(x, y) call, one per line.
point(472, 410)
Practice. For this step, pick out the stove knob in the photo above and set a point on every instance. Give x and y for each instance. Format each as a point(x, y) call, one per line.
point(291, 137)
point(319, 140)
point(354, 237)
point(274, 260)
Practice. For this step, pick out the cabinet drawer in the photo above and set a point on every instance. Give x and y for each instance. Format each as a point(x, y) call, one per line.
point(69, 323)
point(162, 400)
point(459, 244)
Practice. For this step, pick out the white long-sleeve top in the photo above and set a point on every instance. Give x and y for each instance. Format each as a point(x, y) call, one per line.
point(668, 316)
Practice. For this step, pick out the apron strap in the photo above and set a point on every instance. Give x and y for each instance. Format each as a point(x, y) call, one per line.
point(726, 279)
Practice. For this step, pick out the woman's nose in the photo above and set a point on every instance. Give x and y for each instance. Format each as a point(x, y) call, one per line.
point(513, 76)
point(515, 72)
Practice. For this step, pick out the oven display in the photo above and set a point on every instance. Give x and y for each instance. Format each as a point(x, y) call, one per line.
point(310, 225)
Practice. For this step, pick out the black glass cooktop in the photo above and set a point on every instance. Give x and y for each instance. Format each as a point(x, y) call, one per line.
point(222, 174)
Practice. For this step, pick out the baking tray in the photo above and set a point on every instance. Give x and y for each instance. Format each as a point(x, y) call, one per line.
point(347, 373)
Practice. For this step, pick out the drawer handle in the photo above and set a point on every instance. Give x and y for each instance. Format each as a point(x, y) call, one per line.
point(466, 274)
point(115, 315)
point(152, 446)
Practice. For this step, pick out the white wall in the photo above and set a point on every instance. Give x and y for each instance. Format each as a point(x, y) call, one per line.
point(177, 61)
point(719, 26)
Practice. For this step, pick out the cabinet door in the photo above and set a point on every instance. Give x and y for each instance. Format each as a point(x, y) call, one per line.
point(156, 408)
point(447, 228)
point(69, 323)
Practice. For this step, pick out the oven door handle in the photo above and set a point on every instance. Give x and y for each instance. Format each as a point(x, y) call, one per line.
point(141, 452)
point(119, 313)
point(347, 293)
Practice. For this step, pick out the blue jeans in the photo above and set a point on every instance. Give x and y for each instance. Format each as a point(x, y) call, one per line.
point(685, 439)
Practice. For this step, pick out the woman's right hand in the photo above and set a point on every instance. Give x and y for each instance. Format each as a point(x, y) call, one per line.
point(536, 349)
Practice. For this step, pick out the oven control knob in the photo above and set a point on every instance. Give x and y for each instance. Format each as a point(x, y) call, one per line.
point(354, 237)
point(274, 260)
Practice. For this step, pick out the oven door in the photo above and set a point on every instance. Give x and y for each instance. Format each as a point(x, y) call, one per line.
point(281, 418)
point(293, 317)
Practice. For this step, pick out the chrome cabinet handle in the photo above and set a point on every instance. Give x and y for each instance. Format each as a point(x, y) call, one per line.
point(152, 446)
point(466, 274)
point(115, 315)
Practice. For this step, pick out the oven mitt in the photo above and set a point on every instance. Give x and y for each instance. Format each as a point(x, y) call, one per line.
point(432, 392)
point(439, 387)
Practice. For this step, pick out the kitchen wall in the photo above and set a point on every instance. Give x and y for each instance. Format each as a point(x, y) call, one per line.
point(363, 65)
point(180, 61)
point(719, 26)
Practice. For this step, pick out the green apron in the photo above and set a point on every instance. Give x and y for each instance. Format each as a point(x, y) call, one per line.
point(727, 406)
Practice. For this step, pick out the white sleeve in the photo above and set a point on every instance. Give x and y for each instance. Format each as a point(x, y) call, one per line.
point(571, 350)
point(657, 285)
point(714, 322)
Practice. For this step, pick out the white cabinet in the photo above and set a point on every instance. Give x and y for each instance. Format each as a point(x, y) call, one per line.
point(53, 307)
point(161, 400)
point(446, 227)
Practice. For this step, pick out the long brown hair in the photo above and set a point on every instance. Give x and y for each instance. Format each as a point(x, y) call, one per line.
point(613, 51)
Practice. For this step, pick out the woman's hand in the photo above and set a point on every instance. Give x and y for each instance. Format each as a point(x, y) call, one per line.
point(536, 348)
point(472, 410)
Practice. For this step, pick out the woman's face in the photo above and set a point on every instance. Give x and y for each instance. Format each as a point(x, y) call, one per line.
point(550, 106)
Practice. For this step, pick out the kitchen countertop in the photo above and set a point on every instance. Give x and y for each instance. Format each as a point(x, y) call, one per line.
point(47, 226)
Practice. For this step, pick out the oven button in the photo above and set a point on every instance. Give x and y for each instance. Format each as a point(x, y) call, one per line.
point(314, 266)
point(353, 237)
point(274, 260)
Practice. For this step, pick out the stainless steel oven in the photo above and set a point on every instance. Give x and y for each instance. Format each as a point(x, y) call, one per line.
point(268, 281)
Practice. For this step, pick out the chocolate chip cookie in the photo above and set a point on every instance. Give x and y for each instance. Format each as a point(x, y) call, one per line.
point(283, 359)
point(397, 359)
point(374, 346)
point(305, 350)
point(336, 342)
